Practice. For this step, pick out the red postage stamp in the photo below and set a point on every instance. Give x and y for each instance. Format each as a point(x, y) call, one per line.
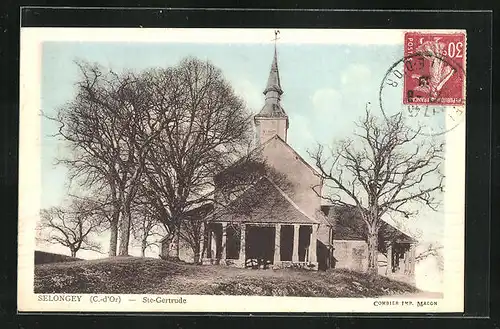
point(434, 68)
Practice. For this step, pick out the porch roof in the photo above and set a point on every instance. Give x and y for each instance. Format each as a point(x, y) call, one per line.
point(264, 202)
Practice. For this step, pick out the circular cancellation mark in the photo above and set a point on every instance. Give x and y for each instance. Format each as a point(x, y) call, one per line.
point(423, 87)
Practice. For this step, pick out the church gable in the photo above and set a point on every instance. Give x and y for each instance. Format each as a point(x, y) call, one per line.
point(301, 175)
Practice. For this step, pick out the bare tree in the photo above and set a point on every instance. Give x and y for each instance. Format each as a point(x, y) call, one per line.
point(146, 228)
point(105, 127)
point(192, 229)
point(71, 227)
point(163, 133)
point(206, 126)
point(432, 250)
point(386, 168)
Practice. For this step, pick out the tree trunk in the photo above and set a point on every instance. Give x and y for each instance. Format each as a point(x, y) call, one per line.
point(177, 245)
point(173, 252)
point(166, 245)
point(113, 239)
point(173, 245)
point(372, 250)
point(144, 245)
point(73, 253)
point(196, 253)
point(125, 231)
point(202, 245)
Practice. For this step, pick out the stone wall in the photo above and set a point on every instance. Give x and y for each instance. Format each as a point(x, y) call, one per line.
point(351, 254)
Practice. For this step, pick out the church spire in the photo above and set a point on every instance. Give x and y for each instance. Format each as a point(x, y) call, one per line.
point(273, 91)
point(273, 82)
point(272, 119)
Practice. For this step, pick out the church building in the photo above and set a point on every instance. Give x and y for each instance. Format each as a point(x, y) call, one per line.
point(299, 231)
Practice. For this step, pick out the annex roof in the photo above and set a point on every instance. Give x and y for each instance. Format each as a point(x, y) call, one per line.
point(348, 225)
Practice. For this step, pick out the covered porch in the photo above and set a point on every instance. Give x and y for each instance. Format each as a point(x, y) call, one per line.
point(400, 258)
point(261, 245)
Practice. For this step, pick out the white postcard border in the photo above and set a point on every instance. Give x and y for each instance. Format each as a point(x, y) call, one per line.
point(30, 187)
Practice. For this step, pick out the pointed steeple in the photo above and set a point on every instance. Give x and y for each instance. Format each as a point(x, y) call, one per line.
point(272, 119)
point(273, 82)
point(273, 91)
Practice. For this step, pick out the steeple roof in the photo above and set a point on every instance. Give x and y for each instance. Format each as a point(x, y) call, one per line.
point(273, 92)
point(273, 82)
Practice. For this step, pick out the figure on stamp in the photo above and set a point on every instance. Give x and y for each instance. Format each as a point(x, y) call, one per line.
point(439, 71)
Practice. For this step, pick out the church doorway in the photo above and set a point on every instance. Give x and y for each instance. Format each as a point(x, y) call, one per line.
point(259, 249)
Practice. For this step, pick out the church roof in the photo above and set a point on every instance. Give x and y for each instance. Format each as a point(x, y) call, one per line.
point(348, 225)
point(264, 202)
point(271, 110)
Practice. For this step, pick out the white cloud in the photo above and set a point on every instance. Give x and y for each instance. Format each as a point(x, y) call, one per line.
point(354, 76)
point(326, 101)
point(342, 103)
point(300, 136)
point(250, 93)
point(329, 103)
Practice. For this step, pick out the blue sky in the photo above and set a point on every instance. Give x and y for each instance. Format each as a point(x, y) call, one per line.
point(326, 87)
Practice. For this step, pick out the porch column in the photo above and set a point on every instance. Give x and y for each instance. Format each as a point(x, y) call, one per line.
point(212, 244)
point(388, 270)
point(242, 257)
point(412, 259)
point(295, 254)
point(224, 238)
point(312, 244)
point(406, 262)
point(277, 244)
point(203, 243)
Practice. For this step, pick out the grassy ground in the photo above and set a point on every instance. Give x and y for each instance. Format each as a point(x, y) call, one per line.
point(130, 275)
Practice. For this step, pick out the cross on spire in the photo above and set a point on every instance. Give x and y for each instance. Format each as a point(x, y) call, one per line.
point(272, 119)
point(273, 91)
point(276, 32)
point(276, 38)
point(273, 83)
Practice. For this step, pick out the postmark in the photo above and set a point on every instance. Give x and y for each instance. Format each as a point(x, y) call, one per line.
point(427, 85)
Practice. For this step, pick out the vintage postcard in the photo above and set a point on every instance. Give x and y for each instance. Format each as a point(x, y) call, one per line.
point(242, 170)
